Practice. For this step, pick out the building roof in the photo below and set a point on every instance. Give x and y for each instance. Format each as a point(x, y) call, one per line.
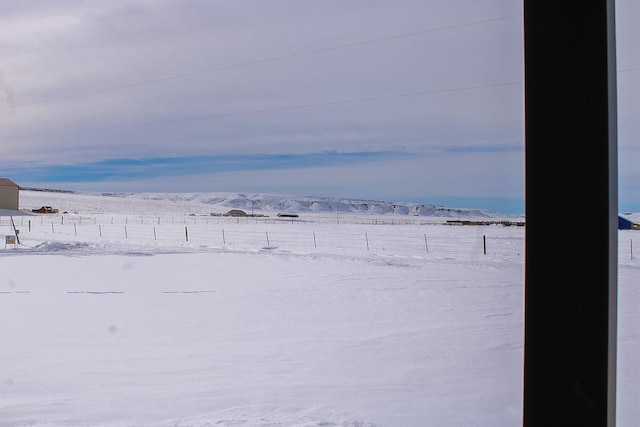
point(625, 224)
point(7, 182)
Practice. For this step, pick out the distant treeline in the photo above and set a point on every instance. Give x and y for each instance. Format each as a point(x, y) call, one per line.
point(47, 190)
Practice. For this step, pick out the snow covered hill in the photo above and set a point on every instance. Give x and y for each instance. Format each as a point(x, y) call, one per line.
point(256, 203)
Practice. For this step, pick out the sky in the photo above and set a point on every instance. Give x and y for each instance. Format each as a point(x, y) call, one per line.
point(407, 101)
point(113, 319)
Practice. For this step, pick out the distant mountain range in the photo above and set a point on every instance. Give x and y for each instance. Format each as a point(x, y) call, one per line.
point(260, 203)
point(257, 203)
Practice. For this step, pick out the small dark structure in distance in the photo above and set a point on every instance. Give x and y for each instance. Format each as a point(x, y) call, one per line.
point(239, 213)
point(469, 222)
point(286, 215)
point(625, 224)
point(236, 212)
point(45, 209)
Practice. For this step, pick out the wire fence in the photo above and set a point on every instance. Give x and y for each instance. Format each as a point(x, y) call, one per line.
point(193, 219)
point(393, 237)
point(390, 237)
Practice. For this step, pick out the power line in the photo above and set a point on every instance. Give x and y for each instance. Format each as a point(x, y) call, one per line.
point(258, 61)
point(269, 110)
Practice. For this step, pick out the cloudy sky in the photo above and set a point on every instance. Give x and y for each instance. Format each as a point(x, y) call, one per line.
point(403, 100)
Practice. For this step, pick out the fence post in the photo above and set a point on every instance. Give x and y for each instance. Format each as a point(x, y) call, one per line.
point(52, 230)
point(100, 229)
point(367, 239)
point(186, 233)
point(631, 248)
point(75, 230)
point(126, 236)
point(267, 234)
point(484, 244)
point(426, 248)
point(314, 240)
point(155, 237)
point(29, 225)
point(224, 241)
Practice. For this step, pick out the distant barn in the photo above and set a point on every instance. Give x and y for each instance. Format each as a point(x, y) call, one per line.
point(236, 212)
point(625, 224)
point(9, 194)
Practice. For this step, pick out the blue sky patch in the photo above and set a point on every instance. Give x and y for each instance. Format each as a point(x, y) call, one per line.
point(153, 167)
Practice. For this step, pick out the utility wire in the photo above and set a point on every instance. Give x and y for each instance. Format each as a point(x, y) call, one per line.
point(258, 61)
point(268, 110)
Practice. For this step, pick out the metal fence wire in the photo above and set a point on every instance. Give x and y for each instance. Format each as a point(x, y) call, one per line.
point(351, 235)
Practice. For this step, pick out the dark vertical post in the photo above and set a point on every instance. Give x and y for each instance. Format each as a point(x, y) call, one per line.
point(16, 232)
point(570, 163)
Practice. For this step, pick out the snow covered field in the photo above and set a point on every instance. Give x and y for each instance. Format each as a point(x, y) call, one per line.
point(126, 311)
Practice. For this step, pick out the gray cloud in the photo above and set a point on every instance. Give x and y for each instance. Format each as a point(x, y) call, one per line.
point(6, 88)
point(79, 50)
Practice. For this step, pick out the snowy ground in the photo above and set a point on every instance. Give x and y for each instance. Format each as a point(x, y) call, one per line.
point(126, 312)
